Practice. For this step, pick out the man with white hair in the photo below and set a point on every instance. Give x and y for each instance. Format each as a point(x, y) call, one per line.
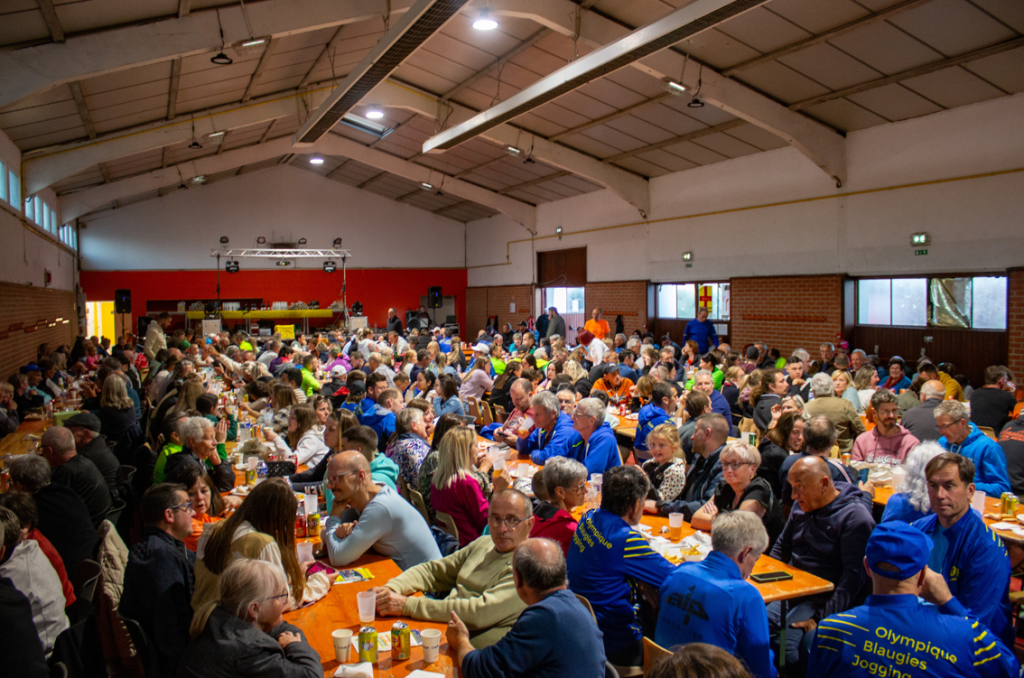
point(57, 447)
point(704, 381)
point(554, 435)
point(962, 437)
point(711, 602)
point(600, 451)
point(839, 410)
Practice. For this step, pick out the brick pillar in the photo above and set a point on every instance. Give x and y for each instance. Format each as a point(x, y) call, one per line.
point(1015, 323)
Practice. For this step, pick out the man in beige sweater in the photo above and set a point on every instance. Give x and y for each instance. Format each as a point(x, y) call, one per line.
point(483, 592)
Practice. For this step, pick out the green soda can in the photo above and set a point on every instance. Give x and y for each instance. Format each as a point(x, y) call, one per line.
point(368, 644)
point(401, 641)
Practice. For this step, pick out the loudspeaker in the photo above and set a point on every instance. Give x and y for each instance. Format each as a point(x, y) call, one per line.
point(122, 301)
point(434, 297)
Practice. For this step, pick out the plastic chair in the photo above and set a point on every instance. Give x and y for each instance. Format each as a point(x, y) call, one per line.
point(114, 514)
point(586, 604)
point(417, 500)
point(447, 524)
point(58, 670)
point(653, 653)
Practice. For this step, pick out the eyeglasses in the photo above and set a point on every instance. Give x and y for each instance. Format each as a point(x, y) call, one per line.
point(734, 465)
point(187, 506)
point(338, 477)
point(277, 597)
point(579, 488)
point(511, 523)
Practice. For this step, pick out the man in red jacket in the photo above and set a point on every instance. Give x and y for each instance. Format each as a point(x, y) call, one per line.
point(565, 480)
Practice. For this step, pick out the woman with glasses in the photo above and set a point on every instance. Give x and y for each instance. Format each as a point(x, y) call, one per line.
point(207, 504)
point(565, 480)
point(263, 528)
point(455, 490)
point(742, 490)
point(665, 469)
point(242, 632)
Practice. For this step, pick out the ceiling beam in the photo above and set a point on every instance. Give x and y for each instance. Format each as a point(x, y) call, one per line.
point(821, 144)
point(497, 63)
point(831, 34)
point(51, 19)
point(689, 136)
point(260, 67)
point(974, 55)
point(614, 115)
point(266, 132)
point(534, 182)
point(223, 142)
point(164, 153)
point(184, 7)
point(332, 44)
point(172, 94)
point(83, 110)
point(371, 180)
point(41, 67)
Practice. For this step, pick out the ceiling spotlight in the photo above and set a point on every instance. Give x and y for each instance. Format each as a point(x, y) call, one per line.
point(426, 187)
point(316, 160)
point(374, 114)
point(513, 151)
point(201, 179)
point(330, 267)
point(696, 103)
point(302, 241)
point(261, 240)
point(223, 240)
point(195, 145)
point(485, 22)
point(675, 88)
point(222, 59)
point(337, 242)
point(231, 266)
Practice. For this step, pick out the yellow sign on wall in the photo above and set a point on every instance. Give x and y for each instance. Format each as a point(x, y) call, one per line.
point(704, 298)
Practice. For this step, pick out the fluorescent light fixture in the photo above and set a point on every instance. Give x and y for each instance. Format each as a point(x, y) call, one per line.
point(215, 134)
point(687, 256)
point(484, 22)
point(375, 114)
point(513, 151)
point(366, 125)
point(920, 239)
point(427, 187)
point(254, 42)
point(316, 160)
point(676, 88)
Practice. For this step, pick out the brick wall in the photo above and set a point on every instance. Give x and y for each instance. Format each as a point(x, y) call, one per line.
point(627, 298)
point(482, 302)
point(28, 305)
point(786, 313)
point(1015, 325)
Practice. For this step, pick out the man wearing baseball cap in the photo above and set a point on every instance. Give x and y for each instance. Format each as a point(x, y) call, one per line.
point(85, 426)
point(894, 633)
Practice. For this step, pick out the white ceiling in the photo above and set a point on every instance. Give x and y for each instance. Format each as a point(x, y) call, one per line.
point(867, 76)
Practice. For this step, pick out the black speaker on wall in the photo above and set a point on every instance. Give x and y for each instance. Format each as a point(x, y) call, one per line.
point(122, 301)
point(434, 297)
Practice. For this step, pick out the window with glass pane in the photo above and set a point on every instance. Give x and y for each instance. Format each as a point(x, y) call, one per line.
point(29, 211)
point(3, 183)
point(14, 182)
point(565, 299)
point(686, 301)
point(666, 301)
point(37, 210)
point(719, 293)
point(874, 302)
point(988, 303)
point(910, 302)
point(950, 302)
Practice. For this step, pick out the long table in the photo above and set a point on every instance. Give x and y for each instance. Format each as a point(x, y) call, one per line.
point(992, 506)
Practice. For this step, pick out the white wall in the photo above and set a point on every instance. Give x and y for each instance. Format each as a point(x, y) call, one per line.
point(975, 224)
point(280, 203)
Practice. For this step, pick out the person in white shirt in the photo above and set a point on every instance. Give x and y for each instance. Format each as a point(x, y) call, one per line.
point(270, 354)
point(302, 441)
point(155, 337)
point(28, 568)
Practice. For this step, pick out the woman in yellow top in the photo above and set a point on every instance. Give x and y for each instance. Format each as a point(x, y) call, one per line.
point(596, 326)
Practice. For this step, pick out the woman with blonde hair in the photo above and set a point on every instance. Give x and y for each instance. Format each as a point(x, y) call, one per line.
point(454, 489)
point(665, 468)
point(242, 632)
point(263, 528)
point(844, 388)
point(309, 447)
point(189, 391)
point(574, 369)
point(117, 417)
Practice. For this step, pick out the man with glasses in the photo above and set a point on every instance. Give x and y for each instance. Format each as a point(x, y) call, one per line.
point(366, 515)
point(888, 442)
point(962, 437)
point(566, 398)
point(158, 581)
point(479, 576)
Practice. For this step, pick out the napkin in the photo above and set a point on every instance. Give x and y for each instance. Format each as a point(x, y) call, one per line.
point(1002, 526)
point(360, 670)
point(420, 673)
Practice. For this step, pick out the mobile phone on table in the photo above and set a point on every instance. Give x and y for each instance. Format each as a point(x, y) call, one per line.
point(768, 577)
point(321, 567)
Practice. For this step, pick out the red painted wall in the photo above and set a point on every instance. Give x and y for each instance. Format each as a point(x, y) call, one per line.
point(377, 289)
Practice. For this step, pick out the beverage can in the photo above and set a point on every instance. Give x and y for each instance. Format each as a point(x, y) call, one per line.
point(401, 641)
point(250, 477)
point(300, 525)
point(847, 459)
point(368, 644)
point(313, 525)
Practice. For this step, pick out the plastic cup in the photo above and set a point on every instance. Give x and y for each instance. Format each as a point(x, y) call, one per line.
point(311, 501)
point(367, 602)
point(239, 458)
point(522, 470)
point(304, 551)
point(253, 463)
point(978, 502)
point(342, 645)
point(431, 645)
point(675, 526)
point(499, 464)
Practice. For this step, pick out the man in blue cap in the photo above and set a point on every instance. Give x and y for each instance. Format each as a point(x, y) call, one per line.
point(894, 634)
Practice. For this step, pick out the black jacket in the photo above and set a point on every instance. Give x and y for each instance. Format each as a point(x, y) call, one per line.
point(121, 427)
point(763, 410)
point(30, 400)
point(704, 476)
point(395, 324)
point(311, 476)
point(97, 451)
point(1011, 439)
point(158, 586)
point(920, 420)
point(223, 474)
point(64, 520)
point(82, 476)
point(231, 648)
point(19, 643)
point(772, 458)
point(9, 421)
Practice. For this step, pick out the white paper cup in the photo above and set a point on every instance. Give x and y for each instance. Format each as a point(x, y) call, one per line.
point(342, 645)
point(253, 463)
point(431, 645)
point(978, 502)
point(367, 602)
point(311, 501)
point(304, 550)
point(522, 470)
point(239, 458)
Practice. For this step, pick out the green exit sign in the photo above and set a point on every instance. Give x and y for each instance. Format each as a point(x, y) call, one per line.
point(920, 253)
point(689, 266)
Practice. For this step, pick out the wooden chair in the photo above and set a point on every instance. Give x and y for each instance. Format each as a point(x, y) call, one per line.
point(403, 487)
point(473, 408)
point(653, 653)
point(747, 425)
point(447, 524)
point(586, 604)
point(485, 413)
point(500, 415)
point(989, 431)
point(417, 500)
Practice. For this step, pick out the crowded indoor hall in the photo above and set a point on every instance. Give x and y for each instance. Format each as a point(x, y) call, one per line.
point(511, 338)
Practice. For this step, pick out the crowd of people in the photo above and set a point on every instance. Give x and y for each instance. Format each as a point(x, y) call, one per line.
point(769, 455)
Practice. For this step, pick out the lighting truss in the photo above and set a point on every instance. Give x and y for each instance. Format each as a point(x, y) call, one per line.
point(266, 253)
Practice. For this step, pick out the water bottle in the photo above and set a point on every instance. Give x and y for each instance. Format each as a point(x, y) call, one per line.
point(261, 472)
point(244, 432)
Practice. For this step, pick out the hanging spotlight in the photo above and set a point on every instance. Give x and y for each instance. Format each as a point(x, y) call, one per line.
point(316, 160)
point(330, 267)
point(302, 241)
point(221, 59)
point(261, 240)
point(224, 240)
point(231, 266)
point(374, 114)
point(195, 146)
point(337, 242)
point(485, 22)
point(696, 103)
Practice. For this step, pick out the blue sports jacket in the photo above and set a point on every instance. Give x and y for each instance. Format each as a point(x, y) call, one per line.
point(650, 417)
point(600, 453)
point(561, 441)
point(990, 476)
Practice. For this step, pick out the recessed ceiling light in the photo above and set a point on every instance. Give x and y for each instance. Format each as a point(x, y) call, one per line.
point(485, 22)
point(316, 160)
point(375, 114)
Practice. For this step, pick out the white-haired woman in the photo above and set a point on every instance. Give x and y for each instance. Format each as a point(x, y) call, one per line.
point(242, 633)
point(912, 501)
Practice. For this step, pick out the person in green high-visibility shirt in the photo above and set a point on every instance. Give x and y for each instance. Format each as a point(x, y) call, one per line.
point(310, 385)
